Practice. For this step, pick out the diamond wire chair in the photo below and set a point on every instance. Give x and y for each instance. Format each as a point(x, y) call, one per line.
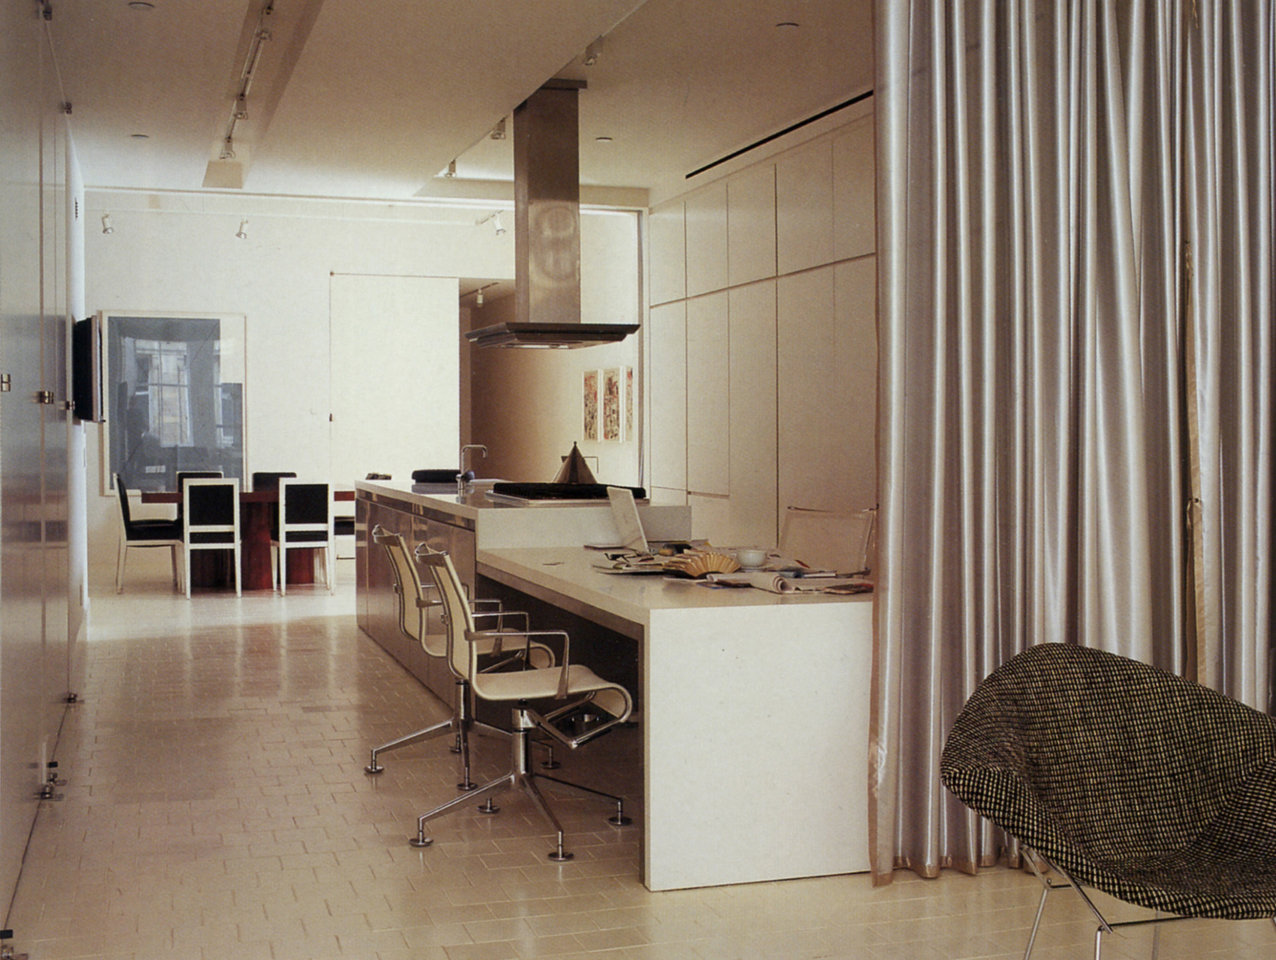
point(415, 602)
point(1124, 778)
point(573, 685)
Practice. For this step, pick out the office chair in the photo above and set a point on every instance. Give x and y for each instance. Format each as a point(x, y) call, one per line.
point(415, 601)
point(573, 685)
point(840, 540)
point(144, 533)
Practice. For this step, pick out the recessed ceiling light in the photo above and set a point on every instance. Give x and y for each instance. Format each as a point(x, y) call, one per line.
point(139, 136)
point(604, 140)
point(787, 24)
point(140, 5)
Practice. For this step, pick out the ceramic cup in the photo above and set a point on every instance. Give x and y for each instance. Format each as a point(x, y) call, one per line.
point(751, 556)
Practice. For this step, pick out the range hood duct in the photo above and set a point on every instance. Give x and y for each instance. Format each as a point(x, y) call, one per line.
point(547, 229)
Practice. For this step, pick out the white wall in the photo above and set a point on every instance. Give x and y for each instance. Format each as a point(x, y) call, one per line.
point(762, 336)
point(179, 253)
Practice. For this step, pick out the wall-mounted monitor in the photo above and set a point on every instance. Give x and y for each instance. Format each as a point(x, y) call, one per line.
point(86, 369)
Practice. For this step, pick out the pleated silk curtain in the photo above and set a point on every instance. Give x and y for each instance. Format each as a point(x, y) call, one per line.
point(1075, 291)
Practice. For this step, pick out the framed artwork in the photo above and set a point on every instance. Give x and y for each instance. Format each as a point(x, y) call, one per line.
point(629, 402)
point(613, 404)
point(589, 404)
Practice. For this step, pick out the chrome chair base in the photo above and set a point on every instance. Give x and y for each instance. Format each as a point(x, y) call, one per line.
point(460, 727)
point(520, 777)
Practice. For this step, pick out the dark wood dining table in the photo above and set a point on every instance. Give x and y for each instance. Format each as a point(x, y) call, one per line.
point(254, 543)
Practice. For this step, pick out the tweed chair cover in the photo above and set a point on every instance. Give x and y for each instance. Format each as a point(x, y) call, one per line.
point(1131, 780)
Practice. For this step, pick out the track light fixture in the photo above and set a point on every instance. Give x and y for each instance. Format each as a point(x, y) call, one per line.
point(106, 223)
point(242, 232)
point(495, 218)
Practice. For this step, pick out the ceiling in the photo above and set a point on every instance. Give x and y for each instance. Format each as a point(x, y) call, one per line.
point(373, 100)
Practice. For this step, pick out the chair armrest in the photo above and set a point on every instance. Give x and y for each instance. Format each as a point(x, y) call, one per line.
point(527, 635)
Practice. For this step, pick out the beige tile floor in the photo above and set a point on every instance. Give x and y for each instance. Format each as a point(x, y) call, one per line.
point(216, 807)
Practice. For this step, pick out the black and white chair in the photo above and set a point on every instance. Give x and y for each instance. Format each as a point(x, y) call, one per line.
point(575, 690)
point(416, 601)
point(144, 533)
point(1125, 779)
point(304, 521)
point(210, 521)
point(183, 476)
point(269, 480)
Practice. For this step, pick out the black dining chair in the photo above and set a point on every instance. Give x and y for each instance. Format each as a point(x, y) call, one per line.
point(211, 522)
point(144, 533)
point(304, 521)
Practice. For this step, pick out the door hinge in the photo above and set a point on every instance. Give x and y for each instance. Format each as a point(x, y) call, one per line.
point(6, 383)
point(44, 397)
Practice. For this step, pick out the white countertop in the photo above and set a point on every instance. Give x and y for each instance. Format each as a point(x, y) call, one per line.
point(569, 571)
point(498, 524)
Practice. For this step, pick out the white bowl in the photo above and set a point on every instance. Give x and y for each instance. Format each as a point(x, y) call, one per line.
point(751, 556)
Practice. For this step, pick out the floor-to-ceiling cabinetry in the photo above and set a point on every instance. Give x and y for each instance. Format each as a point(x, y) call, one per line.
point(34, 648)
point(761, 338)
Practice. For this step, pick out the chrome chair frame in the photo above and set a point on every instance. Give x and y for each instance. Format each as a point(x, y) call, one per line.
point(575, 686)
point(413, 597)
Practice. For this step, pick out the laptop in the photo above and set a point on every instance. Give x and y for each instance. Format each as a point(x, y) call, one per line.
point(624, 512)
point(632, 540)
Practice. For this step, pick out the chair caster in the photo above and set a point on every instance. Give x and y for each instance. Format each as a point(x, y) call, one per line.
point(558, 854)
point(618, 819)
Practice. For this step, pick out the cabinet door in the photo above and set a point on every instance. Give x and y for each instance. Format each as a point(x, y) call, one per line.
point(751, 225)
point(667, 392)
point(753, 414)
point(708, 396)
point(854, 191)
point(707, 240)
point(667, 257)
point(804, 207)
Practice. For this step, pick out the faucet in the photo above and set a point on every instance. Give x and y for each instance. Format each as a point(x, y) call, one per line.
point(463, 480)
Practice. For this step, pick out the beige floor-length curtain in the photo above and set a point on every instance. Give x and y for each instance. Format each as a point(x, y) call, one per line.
point(1047, 172)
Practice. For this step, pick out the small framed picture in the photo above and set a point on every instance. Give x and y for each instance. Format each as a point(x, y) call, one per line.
point(613, 402)
point(590, 404)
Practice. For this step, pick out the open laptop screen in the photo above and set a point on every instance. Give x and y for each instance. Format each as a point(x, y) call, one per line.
point(625, 514)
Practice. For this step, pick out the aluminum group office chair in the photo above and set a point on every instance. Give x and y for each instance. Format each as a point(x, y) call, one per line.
point(210, 521)
point(573, 685)
point(415, 601)
point(144, 533)
point(840, 540)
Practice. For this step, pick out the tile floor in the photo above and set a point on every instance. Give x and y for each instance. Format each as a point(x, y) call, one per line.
point(216, 807)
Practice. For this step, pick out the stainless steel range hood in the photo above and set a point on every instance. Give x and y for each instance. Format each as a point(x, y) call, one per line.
point(547, 229)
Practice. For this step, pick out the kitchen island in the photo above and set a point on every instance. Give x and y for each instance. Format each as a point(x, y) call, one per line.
point(753, 706)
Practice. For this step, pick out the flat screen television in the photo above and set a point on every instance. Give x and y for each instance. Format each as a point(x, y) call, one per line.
point(86, 369)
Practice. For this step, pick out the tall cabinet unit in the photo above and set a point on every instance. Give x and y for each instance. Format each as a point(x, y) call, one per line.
point(762, 338)
point(34, 657)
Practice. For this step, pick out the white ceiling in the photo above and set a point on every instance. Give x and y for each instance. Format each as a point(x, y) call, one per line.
point(372, 99)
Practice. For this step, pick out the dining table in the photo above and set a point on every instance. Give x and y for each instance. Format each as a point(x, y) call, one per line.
point(209, 568)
